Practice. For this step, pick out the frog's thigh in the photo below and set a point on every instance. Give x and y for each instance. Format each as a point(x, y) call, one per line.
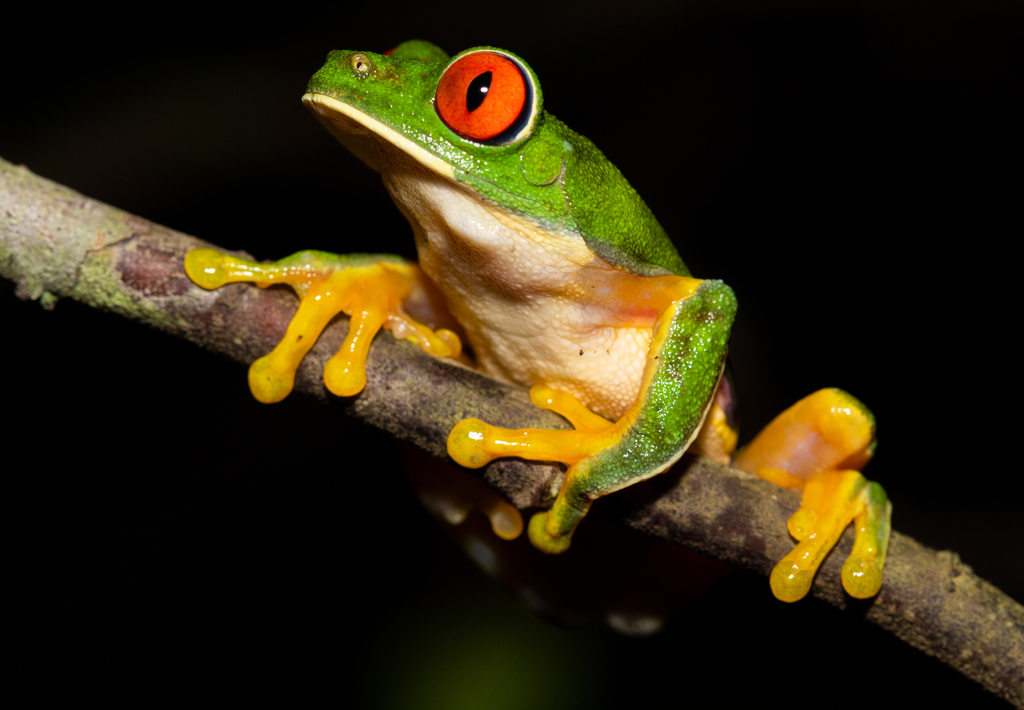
point(370, 288)
point(815, 446)
point(829, 429)
point(683, 366)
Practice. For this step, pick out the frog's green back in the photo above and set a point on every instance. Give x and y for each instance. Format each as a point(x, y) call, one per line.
point(616, 223)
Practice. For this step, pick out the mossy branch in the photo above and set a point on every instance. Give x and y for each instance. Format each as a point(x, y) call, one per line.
point(56, 243)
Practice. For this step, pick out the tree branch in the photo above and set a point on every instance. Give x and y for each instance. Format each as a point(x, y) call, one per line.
point(55, 243)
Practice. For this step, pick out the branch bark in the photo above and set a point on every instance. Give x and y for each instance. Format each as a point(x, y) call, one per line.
point(56, 243)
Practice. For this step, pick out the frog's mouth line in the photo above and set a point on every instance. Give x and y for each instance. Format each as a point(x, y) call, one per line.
point(325, 107)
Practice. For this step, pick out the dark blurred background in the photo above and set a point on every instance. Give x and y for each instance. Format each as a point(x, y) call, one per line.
point(852, 170)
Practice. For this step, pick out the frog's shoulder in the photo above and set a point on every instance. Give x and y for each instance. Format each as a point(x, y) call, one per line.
point(616, 223)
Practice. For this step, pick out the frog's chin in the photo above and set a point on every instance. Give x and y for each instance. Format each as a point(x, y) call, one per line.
point(365, 136)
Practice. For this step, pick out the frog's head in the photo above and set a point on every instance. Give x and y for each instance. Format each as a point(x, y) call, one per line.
point(474, 114)
point(477, 119)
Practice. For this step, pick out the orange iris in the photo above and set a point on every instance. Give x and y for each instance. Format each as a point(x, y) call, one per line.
point(481, 95)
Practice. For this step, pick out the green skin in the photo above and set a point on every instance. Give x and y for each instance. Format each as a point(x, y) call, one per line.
point(592, 199)
point(560, 180)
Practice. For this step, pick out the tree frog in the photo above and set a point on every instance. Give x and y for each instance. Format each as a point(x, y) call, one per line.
point(536, 249)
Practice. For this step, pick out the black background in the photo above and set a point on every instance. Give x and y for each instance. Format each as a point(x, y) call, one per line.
point(852, 171)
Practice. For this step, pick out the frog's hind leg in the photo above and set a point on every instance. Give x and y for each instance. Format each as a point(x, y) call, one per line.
point(369, 288)
point(818, 446)
point(685, 361)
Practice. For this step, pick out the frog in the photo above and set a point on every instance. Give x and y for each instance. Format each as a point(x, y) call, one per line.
point(535, 249)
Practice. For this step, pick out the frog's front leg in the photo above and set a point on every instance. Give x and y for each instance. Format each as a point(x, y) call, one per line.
point(819, 446)
point(369, 288)
point(684, 363)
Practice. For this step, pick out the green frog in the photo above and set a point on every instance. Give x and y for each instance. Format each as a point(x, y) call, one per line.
point(535, 249)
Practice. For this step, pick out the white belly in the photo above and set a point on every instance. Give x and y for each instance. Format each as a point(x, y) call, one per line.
point(528, 299)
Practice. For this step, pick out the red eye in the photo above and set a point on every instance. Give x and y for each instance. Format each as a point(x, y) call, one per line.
point(483, 95)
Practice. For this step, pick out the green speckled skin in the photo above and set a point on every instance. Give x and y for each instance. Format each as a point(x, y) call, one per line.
point(589, 196)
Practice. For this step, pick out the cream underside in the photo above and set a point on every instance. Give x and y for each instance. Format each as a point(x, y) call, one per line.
point(517, 289)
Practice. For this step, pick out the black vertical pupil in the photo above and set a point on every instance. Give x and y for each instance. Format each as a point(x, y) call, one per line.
point(477, 91)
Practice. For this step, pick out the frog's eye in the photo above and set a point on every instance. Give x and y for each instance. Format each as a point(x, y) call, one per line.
point(486, 97)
